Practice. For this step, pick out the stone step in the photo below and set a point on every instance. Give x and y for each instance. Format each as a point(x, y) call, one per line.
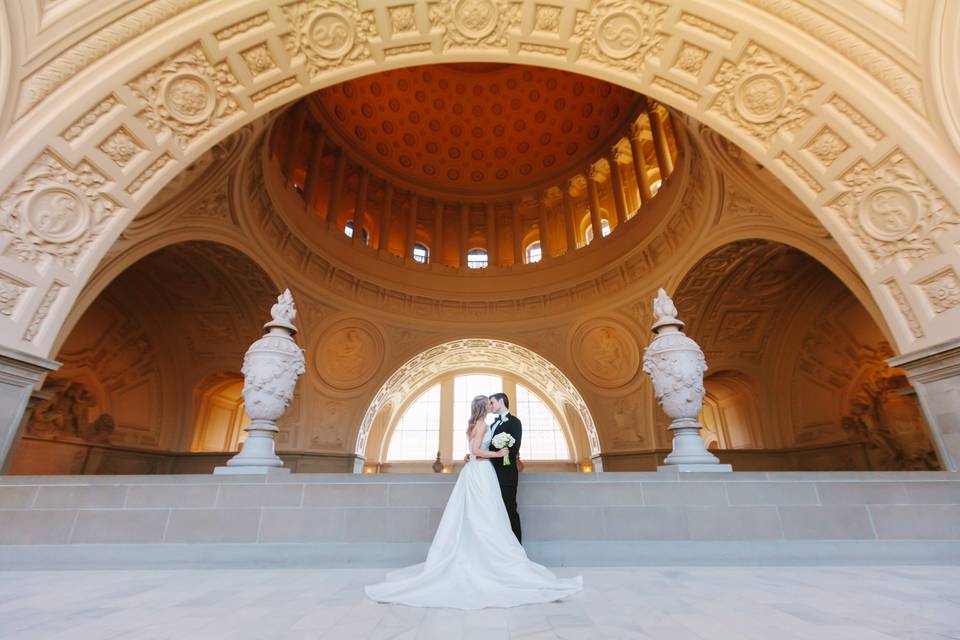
point(383, 520)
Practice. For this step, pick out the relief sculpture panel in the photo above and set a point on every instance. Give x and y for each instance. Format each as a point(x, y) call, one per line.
point(605, 353)
point(348, 354)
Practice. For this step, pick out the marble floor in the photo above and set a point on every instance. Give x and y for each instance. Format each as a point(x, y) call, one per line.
point(709, 603)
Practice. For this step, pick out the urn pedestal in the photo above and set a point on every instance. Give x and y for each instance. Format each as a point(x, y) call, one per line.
point(271, 367)
point(676, 364)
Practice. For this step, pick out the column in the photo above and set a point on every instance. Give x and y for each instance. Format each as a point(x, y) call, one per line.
point(639, 162)
point(411, 227)
point(312, 186)
point(464, 233)
point(934, 373)
point(544, 224)
point(19, 373)
point(333, 204)
point(492, 253)
point(293, 143)
point(517, 238)
point(436, 251)
point(617, 187)
point(660, 144)
point(569, 224)
point(385, 214)
point(593, 200)
point(360, 206)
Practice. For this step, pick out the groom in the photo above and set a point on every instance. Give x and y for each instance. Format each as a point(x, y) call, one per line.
point(507, 475)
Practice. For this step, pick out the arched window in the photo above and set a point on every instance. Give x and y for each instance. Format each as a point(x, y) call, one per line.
point(421, 253)
point(534, 252)
point(604, 231)
point(348, 231)
point(542, 438)
point(465, 389)
point(477, 259)
point(417, 436)
point(437, 420)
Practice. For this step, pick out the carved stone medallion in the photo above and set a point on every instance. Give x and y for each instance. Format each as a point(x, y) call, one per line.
point(189, 97)
point(349, 353)
point(619, 35)
point(330, 34)
point(57, 215)
point(760, 97)
point(475, 18)
point(889, 213)
point(605, 353)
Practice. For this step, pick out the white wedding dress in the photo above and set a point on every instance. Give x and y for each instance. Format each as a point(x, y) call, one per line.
point(475, 560)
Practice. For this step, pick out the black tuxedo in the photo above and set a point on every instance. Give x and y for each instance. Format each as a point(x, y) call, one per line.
point(508, 475)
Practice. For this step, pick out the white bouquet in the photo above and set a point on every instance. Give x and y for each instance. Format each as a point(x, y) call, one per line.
point(503, 440)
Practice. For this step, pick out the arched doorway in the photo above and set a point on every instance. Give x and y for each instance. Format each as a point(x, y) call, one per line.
point(798, 376)
point(148, 364)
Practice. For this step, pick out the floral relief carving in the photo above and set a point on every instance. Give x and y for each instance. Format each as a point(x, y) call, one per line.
point(942, 290)
point(691, 58)
point(827, 146)
point(403, 18)
point(548, 18)
point(258, 60)
point(475, 23)
point(893, 209)
point(10, 293)
point(622, 32)
point(801, 173)
point(763, 93)
point(328, 33)
point(121, 147)
point(54, 211)
point(186, 95)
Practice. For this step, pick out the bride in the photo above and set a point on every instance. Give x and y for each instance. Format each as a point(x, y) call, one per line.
point(475, 560)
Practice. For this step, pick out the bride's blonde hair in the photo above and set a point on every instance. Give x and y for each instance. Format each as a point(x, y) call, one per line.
point(478, 409)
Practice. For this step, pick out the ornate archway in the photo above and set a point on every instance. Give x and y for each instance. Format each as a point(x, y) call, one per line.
point(202, 71)
point(478, 353)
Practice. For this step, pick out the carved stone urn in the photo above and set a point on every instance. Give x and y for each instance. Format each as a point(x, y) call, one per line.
point(270, 370)
point(676, 364)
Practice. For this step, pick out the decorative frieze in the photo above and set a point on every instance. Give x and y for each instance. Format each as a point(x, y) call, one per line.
point(149, 172)
point(908, 315)
point(242, 27)
point(41, 313)
point(90, 118)
point(706, 26)
point(856, 118)
point(801, 173)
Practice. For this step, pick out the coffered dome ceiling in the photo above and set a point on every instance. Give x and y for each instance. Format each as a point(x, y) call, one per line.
point(475, 127)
